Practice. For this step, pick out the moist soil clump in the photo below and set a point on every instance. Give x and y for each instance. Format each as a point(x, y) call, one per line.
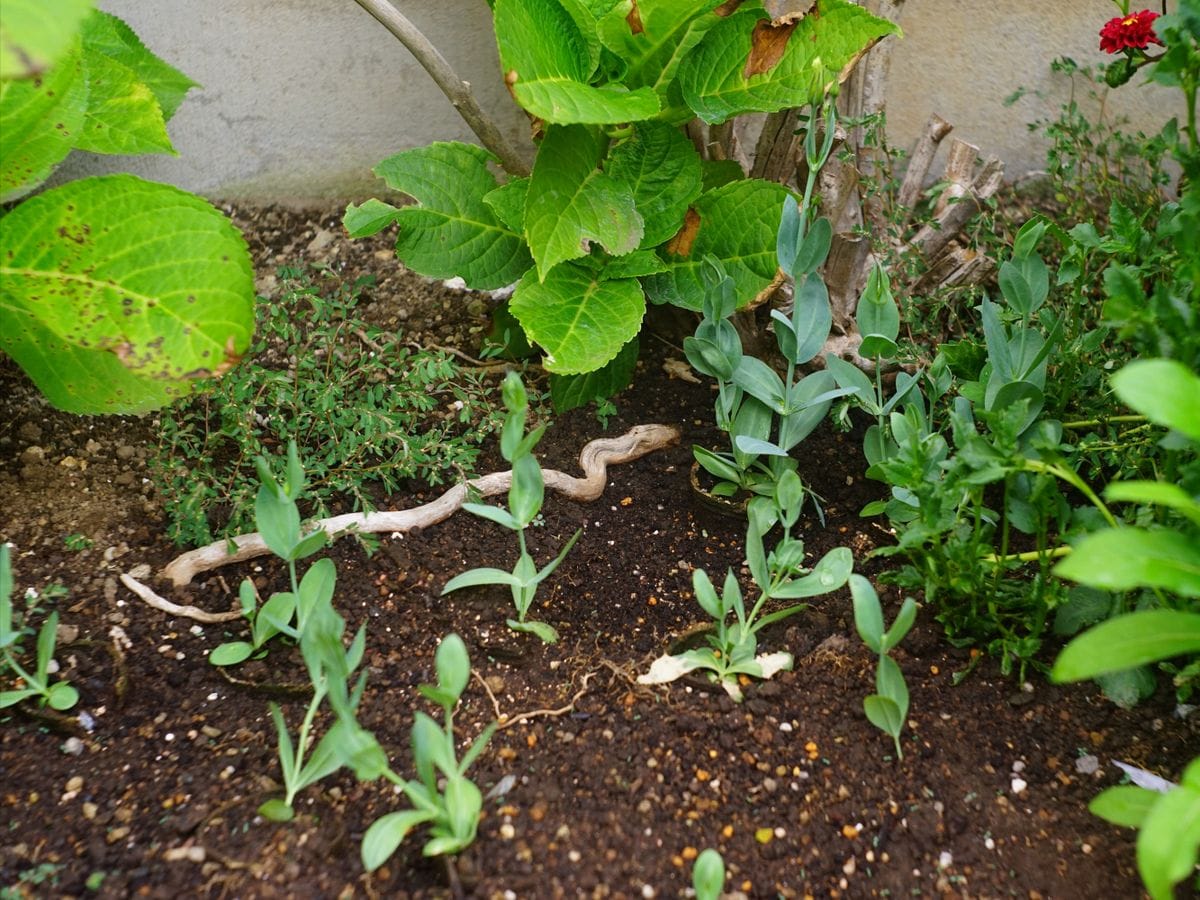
point(597, 786)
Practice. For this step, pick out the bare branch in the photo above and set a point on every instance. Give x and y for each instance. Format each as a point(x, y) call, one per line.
point(457, 91)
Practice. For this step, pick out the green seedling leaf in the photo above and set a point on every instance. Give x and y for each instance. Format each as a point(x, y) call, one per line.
point(231, 653)
point(848, 375)
point(1126, 805)
point(889, 681)
point(463, 805)
point(548, 63)
point(828, 575)
point(62, 696)
point(811, 319)
point(759, 380)
point(813, 251)
point(12, 698)
point(868, 614)
point(1123, 642)
point(528, 490)
point(748, 64)
point(708, 875)
point(877, 314)
point(1121, 559)
point(902, 624)
point(276, 810)
point(116, 294)
point(1164, 391)
point(573, 204)
point(884, 714)
point(275, 617)
point(40, 120)
point(493, 514)
point(453, 665)
point(278, 520)
point(386, 834)
point(543, 631)
point(707, 597)
point(451, 231)
point(316, 587)
point(478, 577)
point(788, 238)
point(1169, 841)
point(549, 568)
point(309, 544)
point(735, 224)
point(35, 35)
point(662, 170)
point(1155, 492)
point(581, 322)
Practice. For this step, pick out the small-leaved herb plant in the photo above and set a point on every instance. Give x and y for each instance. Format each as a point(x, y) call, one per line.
point(366, 410)
point(525, 497)
point(732, 647)
point(887, 708)
point(58, 695)
point(442, 796)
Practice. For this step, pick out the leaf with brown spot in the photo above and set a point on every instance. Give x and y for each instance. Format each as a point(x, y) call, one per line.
point(635, 20)
point(681, 244)
point(728, 8)
point(768, 42)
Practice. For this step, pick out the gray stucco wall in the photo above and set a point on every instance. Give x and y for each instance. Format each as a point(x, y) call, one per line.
point(301, 98)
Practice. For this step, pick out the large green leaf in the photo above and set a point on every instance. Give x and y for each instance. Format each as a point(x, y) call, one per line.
point(1121, 559)
point(654, 36)
point(580, 321)
point(123, 115)
point(548, 62)
point(451, 231)
point(35, 34)
point(569, 392)
point(571, 203)
point(40, 120)
point(747, 64)
point(1123, 642)
point(736, 223)
point(662, 168)
point(115, 293)
point(1164, 390)
point(1168, 841)
point(104, 33)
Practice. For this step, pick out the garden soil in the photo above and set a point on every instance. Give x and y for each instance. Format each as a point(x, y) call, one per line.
point(597, 786)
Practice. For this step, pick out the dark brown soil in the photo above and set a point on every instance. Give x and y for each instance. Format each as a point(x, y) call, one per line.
point(614, 786)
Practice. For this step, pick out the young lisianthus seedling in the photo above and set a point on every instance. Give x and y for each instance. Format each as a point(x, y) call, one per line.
point(525, 497)
point(278, 519)
point(708, 875)
point(887, 708)
point(60, 695)
point(779, 575)
point(451, 809)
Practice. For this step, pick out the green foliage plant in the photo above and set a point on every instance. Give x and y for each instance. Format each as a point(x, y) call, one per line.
point(278, 517)
point(732, 647)
point(442, 795)
point(116, 293)
point(619, 206)
point(708, 875)
point(366, 410)
point(525, 497)
point(58, 695)
point(767, 416)
point(887, 708)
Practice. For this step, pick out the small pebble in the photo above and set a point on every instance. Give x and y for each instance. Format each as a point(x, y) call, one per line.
point(1018, 766)
point(72, 746)
point(1087, 765)
point(1019, 785)
point(945, 859)
point(507, 831)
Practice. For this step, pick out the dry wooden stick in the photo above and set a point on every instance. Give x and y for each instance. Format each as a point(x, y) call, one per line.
point(920, 161)
point(594, 460)
point(505, 721)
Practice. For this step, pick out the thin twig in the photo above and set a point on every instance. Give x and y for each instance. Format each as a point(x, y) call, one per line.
point(174, 609)
point(457, 91)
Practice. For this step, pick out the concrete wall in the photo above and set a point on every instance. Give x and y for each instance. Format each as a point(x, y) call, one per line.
point(301, 97)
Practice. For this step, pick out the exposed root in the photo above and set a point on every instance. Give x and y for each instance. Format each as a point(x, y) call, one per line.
point(506, 721)
point(594, 460)
point(174, 609)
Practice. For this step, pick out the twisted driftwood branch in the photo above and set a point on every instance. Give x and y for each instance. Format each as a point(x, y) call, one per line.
point(594, 460)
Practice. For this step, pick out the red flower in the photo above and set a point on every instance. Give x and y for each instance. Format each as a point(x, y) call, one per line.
point(1134, 31)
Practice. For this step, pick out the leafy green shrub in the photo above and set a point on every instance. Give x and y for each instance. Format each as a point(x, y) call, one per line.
point(362, 406)
point(619, 206)
point(116, 294)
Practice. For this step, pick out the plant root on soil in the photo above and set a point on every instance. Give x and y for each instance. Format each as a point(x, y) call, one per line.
point(594, 459)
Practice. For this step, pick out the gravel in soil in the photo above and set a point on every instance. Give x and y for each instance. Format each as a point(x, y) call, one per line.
point(598, 786)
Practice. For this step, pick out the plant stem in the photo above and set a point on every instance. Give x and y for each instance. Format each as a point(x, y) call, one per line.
point(1028, 556)
point(457, 91)
point(1107, 420)
point(1036, 465)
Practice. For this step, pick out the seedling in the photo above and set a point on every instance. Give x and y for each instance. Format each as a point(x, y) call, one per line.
point(525, 498)
point(887, 708)
point(708, 875)
point(59, 695)
point(779, 575)
point(278, 520)
point(452, 810)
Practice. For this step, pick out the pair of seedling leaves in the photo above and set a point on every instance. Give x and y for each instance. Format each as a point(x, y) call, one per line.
point(116, 294)
point(619, 206)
